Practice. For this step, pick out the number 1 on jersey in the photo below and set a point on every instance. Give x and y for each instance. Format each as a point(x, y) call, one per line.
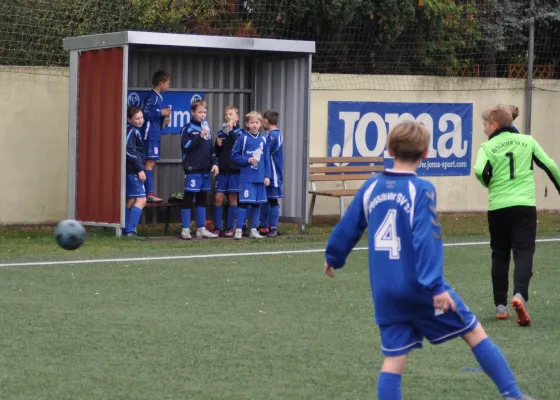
point(386, 239)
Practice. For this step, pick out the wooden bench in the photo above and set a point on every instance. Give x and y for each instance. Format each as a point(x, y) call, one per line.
point(332, 173)
point(168, 206)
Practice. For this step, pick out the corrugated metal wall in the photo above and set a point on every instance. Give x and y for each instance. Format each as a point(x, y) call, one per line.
point(282, 85)
point(98, 183)
point(230, 79)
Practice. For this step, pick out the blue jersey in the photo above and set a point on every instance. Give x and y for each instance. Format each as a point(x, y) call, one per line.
point(404, 244)
point(198, 152)
point(247, 146)
point(134, 150)
point(275, 141)
point(151, 108)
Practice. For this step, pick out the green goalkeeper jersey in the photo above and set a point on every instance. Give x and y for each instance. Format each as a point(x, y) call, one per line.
point(505, 166)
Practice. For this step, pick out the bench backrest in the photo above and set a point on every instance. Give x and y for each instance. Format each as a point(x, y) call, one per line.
point(320, 170)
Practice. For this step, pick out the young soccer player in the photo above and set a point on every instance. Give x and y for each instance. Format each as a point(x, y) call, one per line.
point(228, 179)
point(251, 153)
point(505, 166)
point(135, 176)
point(514, 114)
point(270, 213)
point(156, 117)
point(411, 297)
point(198, 162)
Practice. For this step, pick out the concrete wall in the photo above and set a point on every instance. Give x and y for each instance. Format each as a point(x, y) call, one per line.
point(33, 145)
point(34, 134)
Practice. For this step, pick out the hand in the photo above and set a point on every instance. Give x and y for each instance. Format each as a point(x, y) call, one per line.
point(204, 133)
point(444, 302)
point(219, 141)
point(329, 271)
point(142, 176)
point(167, 120)
point(253, 160)
point(215, 170)
point(266, 181)
point(166, 111)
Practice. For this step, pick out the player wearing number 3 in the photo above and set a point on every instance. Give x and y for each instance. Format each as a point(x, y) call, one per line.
point(411, 297)
point(505, 166)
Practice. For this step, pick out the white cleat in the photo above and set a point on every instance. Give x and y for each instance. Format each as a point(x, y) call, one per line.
point(205, 233)
point(186, 234)
point(254, 234)
point(238, 234)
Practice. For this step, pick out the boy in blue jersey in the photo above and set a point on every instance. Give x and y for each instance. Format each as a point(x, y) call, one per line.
point(198, 162)
point(250, 152)
point(135, 176)
point(228, 179)
point(411, 297)
point(156, 118)
point(270, 212)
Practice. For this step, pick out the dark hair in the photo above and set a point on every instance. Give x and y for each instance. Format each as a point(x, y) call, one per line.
point(132, 111)
point(271, 116)
point(159, 77)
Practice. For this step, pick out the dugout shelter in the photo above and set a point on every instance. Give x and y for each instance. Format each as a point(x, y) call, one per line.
point(250, 73)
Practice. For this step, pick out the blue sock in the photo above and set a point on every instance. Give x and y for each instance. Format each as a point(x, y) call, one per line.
point(274, 216)
point(389, 386)
point(219, 217)
point(133, 219)
point(200, 215)
point(255, 214)
point(126, 218)
point(232, 213)
point(265, 209)
point(149, 183)
point(186, 217)
point(241, 215)
point(496, 367)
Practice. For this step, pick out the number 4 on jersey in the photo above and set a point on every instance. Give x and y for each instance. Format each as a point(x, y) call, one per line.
point(386, 238)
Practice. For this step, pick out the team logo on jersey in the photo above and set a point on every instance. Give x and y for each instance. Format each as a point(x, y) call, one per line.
point(133, 100)
point(196, 97)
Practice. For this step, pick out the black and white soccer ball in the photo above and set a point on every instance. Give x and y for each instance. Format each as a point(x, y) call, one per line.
point(70, 234)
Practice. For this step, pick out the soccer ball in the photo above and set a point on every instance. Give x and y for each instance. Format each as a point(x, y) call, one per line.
point(70, 234)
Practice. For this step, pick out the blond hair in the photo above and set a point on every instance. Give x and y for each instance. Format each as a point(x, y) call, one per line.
point(198, 103)
point(231, 108)
point(514, 111)
point(499, 114)
point(253, 115)
point(408, 141)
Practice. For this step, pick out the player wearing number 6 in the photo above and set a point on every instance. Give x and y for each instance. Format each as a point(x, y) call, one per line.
point(505, 166)
point(412, 299)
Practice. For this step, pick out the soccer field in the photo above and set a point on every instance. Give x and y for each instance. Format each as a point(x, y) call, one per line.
point(242, 327)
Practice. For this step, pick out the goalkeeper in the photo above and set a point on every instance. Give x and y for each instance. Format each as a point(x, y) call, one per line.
point(505, 166)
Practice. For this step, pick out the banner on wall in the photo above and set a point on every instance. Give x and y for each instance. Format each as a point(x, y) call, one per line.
point(359, 129)
point(180, 106)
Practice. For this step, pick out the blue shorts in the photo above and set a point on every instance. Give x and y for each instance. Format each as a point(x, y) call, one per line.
point(197, 182)
point(151, 149)
point(134, 187)
point(400, 338)
point(227, 183)
point(252, 193)
point(274, 192)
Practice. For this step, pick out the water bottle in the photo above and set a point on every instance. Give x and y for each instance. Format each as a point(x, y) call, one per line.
point(225, 127)
point(257, 154)
point(206, 126)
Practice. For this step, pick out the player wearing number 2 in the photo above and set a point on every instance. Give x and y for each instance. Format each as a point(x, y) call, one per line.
point(412, 299)
point(505, 166)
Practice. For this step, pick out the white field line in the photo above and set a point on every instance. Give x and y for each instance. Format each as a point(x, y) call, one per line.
point(217, 255)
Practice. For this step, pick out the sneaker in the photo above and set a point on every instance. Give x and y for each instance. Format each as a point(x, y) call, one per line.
point(273, 232)
point(134, 236)
point(254, 234)
point(245, 231)
point(520, 306)
point(238, 234)
point(217, 232)
point(502, 312)
point(264, 231)
point(229, 233)
point(153, 198)
point(205, 233)
point(186, 234)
